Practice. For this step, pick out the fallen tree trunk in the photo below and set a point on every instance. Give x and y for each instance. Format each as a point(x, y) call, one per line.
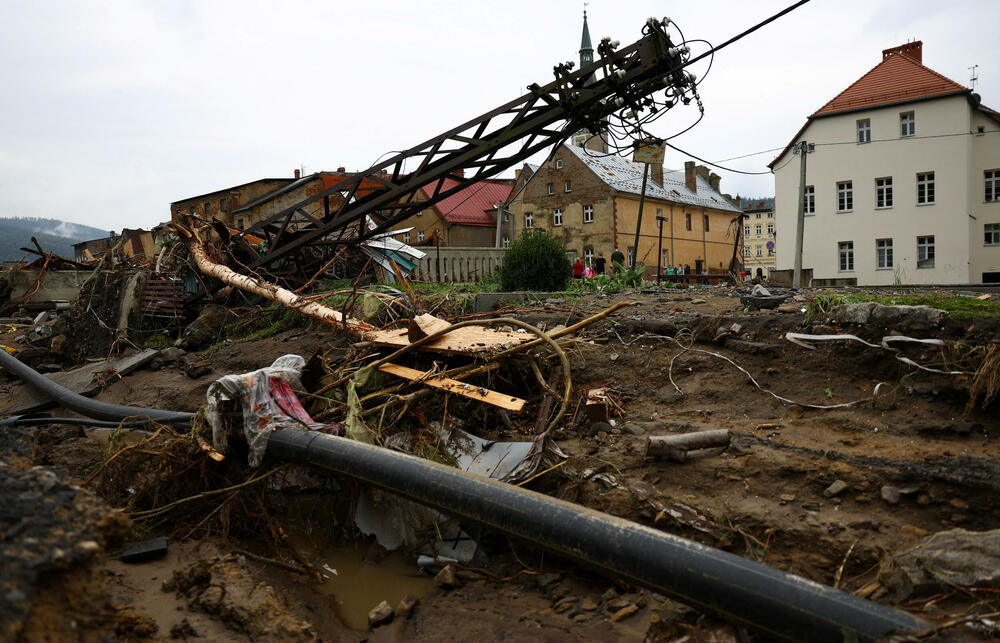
point(676, 447)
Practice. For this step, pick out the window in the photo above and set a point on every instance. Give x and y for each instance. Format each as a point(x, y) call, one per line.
point(770, 215)
point(992, 234)
point(557, 216)
point(687, 220)
point(506, 242)
point(980, 130)
point(240, 223)
point(810, 200)
point(757, 230)
point(770, 228)
point(846, 250)
point(551, 188)
point(222, 205)
point(845, 196)
point(208, 207)
point(529, 219)
point(588, 214)
point(569, 186)
point(665, 258)
point(420, 236)
point(558, 164)
point(865, 130)
point(760, 251)
point(758, 216)
point(883, 254)
point(992, 181)
point(746, 251)
point(907, 124)
point(588, 256)
point(925, 252)
point(406, 237)
point(925, 188)
point(746, 230)
point(883, 192)
point(704, 222)
point(630, 255)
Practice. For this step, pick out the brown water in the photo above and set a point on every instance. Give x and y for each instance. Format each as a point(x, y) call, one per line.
point(358, 586)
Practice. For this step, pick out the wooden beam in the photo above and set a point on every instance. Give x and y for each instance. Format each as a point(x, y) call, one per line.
point(506, 402)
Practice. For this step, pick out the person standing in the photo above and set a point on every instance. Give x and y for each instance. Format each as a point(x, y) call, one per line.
point(617, 259)
point(600, 264)
point(577, 269)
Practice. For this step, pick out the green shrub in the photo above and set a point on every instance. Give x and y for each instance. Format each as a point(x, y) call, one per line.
point(536, 261)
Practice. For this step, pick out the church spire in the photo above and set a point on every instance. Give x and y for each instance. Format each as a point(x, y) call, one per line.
point(586, 49)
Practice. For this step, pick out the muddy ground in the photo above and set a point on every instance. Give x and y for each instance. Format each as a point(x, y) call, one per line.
point(908, 461)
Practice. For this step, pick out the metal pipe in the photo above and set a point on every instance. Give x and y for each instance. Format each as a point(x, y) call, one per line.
point(84, 405)
point(777, 603)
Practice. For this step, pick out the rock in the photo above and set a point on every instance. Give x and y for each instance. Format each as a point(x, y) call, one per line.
point(835, 488)
point(609, 595)
point(167, 357)
point(762, 302)
point(913, 530)
point(760, 291)
point(633, 429)
point(903, 317)
point(406, 606)
point(890, 494)
point(205, 329)
point(735, 329)
point(380, 615)
point(194, 369)
point(588, 605)
point(810, 505)
point(447, 578)
point(544, 580)
point(958, 503)
point(58, 344)
point(956, 557)
point(597, 427)
point(698, 300)
point(787, 497)
point(624, 613)
point(788, 308)
point(616, 603)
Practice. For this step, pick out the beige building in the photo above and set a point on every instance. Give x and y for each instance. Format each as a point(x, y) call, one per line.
point(759, 233)
point(903, 181)
point(591, 202)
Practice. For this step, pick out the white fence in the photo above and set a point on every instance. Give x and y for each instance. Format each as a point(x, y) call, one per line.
point(454, 265)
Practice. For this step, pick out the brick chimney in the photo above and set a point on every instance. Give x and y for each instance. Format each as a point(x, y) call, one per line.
point(912, 50)
point(298, 173)
point(689, 176)
point(714, 179)
point(341, 170)
point(656, 173)
point(459, 172)
point(702, 172)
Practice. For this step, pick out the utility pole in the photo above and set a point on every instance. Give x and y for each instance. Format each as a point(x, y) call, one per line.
point(649, 151)
point(801, 221)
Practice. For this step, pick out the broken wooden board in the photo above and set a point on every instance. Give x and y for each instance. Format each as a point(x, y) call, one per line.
point(423, 325)
point(26, 399)
point(480, 394)
point(468, 340)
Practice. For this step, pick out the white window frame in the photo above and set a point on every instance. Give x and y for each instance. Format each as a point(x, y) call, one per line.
point(883, 254)
point(558, 164)
point(925, 188)
point(770, 228)
point(629, 252)
point(810, 200)
point(883, 193)
point(760, 250)
point(925, 251)
point(406, 237)
point(568, 186)
point(588, 257)
point(864, 130)
point(907, 124)
point(552, 188)
point(556, 216)
point(758, 230)
point(991, 185)
point(746, 251)
point(588, 214)
point(746, 231)
point(529, 220)
point(506, 242)
point(420, 236)
point(845, 196)
point(991, 234)
point(845, 256)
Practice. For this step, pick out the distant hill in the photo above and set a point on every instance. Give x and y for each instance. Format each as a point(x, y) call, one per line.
point(52, 234)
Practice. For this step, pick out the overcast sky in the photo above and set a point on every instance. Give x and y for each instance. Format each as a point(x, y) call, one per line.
point(114, 108)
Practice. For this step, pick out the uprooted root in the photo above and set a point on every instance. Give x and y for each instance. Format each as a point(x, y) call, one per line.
point(986, 381)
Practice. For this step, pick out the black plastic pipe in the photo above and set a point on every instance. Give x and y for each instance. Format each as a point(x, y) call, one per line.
point(84, 405)
point(777, 603)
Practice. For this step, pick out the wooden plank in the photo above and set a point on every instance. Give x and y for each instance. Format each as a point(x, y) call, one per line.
point(470, 340)
point(506, 402)
point(423, 325)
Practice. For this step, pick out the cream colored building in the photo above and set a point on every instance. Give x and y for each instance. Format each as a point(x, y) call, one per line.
point(902, 184)
point(759, 233)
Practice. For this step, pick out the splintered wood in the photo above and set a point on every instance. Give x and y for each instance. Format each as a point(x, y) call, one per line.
point(506, 402)
point(469, 340)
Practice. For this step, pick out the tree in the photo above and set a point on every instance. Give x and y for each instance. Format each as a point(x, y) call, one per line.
point(536, 261)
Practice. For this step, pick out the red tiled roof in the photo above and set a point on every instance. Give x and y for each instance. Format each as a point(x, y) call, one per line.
point(897, 78)
point(471, 206)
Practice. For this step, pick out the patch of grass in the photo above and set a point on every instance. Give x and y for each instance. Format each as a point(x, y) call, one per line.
point(158, 340)
point(959, 307)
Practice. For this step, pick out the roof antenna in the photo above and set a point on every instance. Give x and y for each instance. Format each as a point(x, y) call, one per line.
point(974, 77)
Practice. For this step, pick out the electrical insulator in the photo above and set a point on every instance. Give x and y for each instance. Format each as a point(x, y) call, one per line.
point(666, 21)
